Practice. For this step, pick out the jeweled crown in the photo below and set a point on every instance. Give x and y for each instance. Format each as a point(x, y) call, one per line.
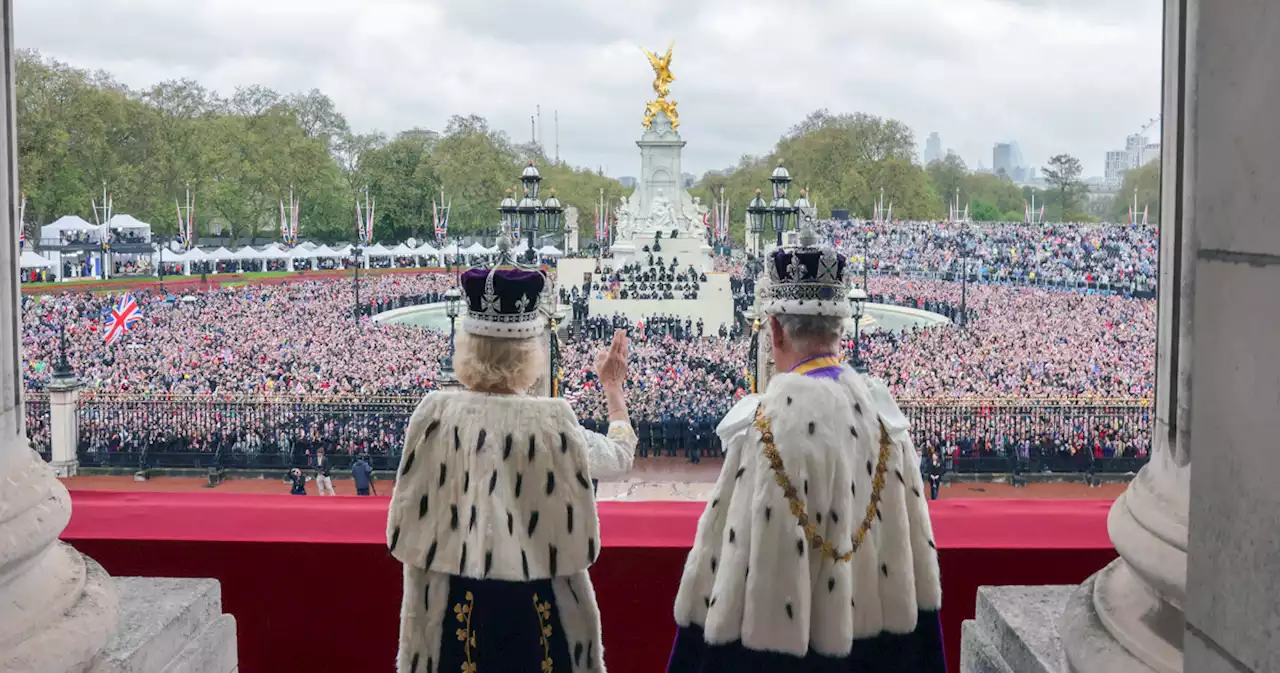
point(806, 279)
point(503, 302)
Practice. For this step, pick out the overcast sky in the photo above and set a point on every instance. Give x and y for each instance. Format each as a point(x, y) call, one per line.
point(1057, 76)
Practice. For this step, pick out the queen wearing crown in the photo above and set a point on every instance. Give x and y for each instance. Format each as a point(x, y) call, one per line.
point(815, 552)
point(493, 514)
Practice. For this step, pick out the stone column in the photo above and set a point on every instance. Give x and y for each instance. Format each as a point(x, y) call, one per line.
point(64, 401)
point(57, 608)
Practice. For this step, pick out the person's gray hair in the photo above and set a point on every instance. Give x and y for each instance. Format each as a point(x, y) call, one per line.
point(812, 333)
point(487, 363)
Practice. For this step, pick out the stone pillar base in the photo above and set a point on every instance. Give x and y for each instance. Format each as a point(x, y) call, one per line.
point(65, 468)
point(170, 625)
point(1016, 630)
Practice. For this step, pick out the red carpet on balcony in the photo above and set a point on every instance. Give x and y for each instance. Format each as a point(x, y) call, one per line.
point(313, 589)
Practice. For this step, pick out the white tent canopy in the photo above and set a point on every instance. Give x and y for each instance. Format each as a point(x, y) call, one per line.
point(31, 260)
point(195, 255)
point(549, 251)
point(426, 250)
point(302, 253)
point(247, 252)
point(325, 251)
point(476, 249)
point(221, 254)
point(403, 250)
point(66, 223)
point(127, 222)
point(376, 250)
point(452, 250)
point(273, 251)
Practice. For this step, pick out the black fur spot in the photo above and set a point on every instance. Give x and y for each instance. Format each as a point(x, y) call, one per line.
point(714, 564)
point(800, 547)
point(591, 551)
point(422, 506)
point(524, 563)
point(462, 563)
point(831, 584)
point(466, 481)
point(715, 502)
point(590, 663)
point(457, 439)
point(853, 489)
point(573, 592)
point(444, 471)
point(431, 664)
point(564, 443)
point(853, 431)
point(431, 429)
point(431, 553)
point(568, 511)
point(740, 471)
point(395, 537)
point(472, 523)
point(732, 536)
point(577, 653)
point(480, 440)
point(931, 544)
point(453, 517)
point(426, 600)
point(788, 400)
point(511, 522)
point(899, 474)
point(551, 482)
point(554, 553)
point(488, 562)
point(493, 481)
point(533, 522)
point(506, 448)
point(818, 516)
point(878, 516)
point(884, 569)
point(806, 487)
point(746, 572)
point(789, 614)
point(813, 427)
point(835, 518)
point(706, 600)
point(713, 602)
point(915, 491)
point(533, 444)
point(868, 468)
point(582, 481)
point(857, 407)
point(413, 666)
point(408, 463)
point(768, 512)
point(853, 604)
point(519, 483)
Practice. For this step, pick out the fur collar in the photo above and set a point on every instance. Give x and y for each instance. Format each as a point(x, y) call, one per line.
point(495, 487)
point(751, 575)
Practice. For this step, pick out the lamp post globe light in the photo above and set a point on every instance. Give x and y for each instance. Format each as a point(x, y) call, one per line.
point(756, 210)
point(453, 308)
point(508, 209)
point(530, 215)
point(858, 301)
point(781, 209)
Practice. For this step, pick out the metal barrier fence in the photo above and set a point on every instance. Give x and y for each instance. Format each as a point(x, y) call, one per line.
point(37, 412)
point(276, 432)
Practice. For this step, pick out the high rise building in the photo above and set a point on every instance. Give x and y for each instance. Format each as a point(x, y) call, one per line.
point(932, 148)
point(1137, 152)
point(1002, 159)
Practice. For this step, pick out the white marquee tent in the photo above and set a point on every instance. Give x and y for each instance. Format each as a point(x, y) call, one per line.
point(31, 260)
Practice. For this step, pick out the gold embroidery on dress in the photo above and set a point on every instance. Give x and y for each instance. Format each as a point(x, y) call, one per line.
point(797, 506)
point(466, 635)
point(544, 615)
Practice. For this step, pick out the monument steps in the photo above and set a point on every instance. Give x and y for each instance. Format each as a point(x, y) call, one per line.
point(170, 625)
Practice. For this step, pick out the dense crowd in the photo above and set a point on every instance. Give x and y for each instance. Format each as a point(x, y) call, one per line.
point(1017, 340)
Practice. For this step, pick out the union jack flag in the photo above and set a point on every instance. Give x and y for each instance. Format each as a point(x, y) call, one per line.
point(123, 316)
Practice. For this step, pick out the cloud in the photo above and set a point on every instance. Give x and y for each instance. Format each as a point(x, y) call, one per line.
point(1055, 75)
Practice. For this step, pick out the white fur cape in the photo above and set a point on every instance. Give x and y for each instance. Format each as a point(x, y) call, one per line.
point(494, 487)
point(751, 576)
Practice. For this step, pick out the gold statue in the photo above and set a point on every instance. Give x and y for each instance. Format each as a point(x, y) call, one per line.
point(662, 86)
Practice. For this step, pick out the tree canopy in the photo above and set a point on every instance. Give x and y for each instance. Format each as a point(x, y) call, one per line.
point(242, 154)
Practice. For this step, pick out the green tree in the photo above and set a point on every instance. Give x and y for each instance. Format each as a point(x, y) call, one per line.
point(1063, 177)
point(1146, 182)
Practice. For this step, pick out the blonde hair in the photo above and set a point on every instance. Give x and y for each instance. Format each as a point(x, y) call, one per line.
point(488, 363)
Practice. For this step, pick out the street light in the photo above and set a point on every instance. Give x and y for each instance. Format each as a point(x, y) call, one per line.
point(858, 300)
point(62, 368)
point(784, 214)
point(756, 211)
point(356, 251)
point(866, 256)
point(452, 308)
point(531, 215)
point(964, 243)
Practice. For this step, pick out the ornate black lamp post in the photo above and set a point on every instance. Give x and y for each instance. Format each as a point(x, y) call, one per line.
point(756, 210)
point(858, 300)
point(784, 214)
point(531, 214)
point(62, 368)
point(356, 252)
point(964, 244)
point(452, 308)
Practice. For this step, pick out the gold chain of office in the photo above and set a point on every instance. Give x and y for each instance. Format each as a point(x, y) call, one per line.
point(780, 475)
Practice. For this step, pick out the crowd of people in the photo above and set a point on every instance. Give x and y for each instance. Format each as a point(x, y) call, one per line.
point(306, 340)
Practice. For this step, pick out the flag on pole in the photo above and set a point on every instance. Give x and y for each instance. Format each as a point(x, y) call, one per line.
point(123, 316)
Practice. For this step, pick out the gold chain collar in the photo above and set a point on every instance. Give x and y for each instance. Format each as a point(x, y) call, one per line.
point(816, 541)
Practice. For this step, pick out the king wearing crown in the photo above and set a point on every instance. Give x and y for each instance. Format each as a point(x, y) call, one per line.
point(494, 515)
point(815, 552)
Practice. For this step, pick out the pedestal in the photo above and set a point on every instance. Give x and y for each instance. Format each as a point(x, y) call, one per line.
point(64, 426)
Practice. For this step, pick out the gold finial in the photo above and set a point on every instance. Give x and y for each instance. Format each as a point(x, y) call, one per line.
point(662, 79)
